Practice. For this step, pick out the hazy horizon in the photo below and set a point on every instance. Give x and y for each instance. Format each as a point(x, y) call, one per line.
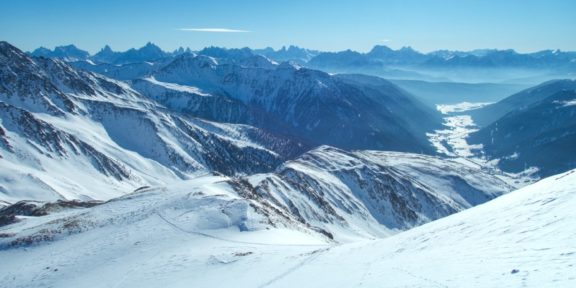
point(426, 26)
point(278, 48)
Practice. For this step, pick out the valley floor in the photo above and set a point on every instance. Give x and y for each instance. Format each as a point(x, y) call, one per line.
point(451, 142)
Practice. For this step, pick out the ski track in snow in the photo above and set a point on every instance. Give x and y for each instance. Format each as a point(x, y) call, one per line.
point(170, 223)
point(518, 240)
point(312, 256)
point(426, 281)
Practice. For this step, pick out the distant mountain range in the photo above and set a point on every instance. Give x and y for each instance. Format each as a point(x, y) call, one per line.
point(380, 60)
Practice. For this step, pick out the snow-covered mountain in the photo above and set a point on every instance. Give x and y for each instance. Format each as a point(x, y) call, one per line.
point(358, 195)
point(353, 112)
point(373, 193)
point(56, 119)
point(349, 112)
point(74, 134)
point(520, 239)
point(541, 134)
point(201, 233)
point(200, 164)
point(519, 101)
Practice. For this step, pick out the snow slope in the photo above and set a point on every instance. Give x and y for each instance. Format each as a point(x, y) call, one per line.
point(201, 237)
point(367, 194)
point(523, 239)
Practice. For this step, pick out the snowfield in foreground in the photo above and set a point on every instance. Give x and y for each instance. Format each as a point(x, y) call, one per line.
point(206, 236)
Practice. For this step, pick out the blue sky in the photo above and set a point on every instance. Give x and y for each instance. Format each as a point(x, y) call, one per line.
point(426, 25)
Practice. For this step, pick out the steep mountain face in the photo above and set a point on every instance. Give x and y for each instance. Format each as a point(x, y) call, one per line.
point(541, 134)
point(520, 101)
point(399, 104)
point(55, 119)
point(373, 193)
point(21, 85)
point(309, 104)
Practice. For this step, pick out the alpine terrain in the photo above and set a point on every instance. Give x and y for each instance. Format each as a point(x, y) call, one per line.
point(279, 168)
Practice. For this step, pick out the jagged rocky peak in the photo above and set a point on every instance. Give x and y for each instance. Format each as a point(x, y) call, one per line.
point(148, 53)
point(181, 50)
point(105, 55)
point(151, 48)
point(380, 50)
point(106, 49)
point(69, 53)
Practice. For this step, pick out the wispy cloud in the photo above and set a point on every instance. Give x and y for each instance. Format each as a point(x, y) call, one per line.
point(214, 30)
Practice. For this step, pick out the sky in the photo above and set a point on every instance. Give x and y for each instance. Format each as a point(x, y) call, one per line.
point(327, 25)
